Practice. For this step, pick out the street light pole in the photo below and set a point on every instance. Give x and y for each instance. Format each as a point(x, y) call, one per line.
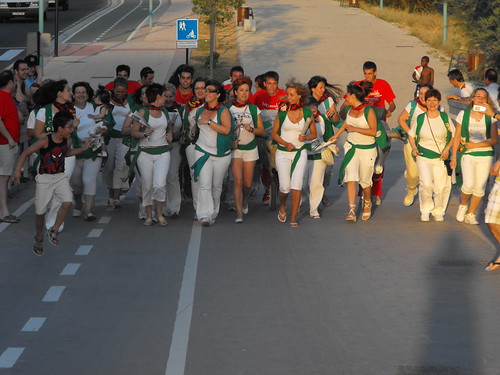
point(40, 29)
point(445, 21)
point(56, 31)
point(381, 5)
point(150, 13)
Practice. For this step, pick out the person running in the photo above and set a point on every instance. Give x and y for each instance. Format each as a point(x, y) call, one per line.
point(359, 149)
point(476, 134)
point(431, 140)
point(423, 74)
point(289, 132)
point(51, 181)
point(249, 124)
point(182, 79)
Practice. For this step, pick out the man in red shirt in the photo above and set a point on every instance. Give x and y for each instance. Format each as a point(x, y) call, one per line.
point(380, 95)
point(124, 71)
point(10, 129)
point(268, 101)
point(184, 91)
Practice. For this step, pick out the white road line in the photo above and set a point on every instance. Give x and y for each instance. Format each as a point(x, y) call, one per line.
point(53, 294)
point(117, 22)
point(95, 233)
point(104, 220)
point(33, 324)
point(70, 269)
point(180, 337)
point(120, 3)
point(10, 54)
point(84, 250)
point(18, 213)
point(10, 357)
point(143, 21)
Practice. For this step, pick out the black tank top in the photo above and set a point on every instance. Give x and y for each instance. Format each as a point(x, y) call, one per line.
point(52, 157)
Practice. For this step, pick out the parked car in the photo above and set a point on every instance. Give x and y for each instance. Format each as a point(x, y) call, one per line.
point(64, 4)
point(28, 9)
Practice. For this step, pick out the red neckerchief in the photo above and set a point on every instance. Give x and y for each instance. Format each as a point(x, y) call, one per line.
point(120, 102)
point(215, 108)
point(417, 100)
point(361, 106)
point(323, 98)
point(293, 107)
point(194, 103)
point(153, 108)
point(238, 104)
point(69, 107)
point(317, 114)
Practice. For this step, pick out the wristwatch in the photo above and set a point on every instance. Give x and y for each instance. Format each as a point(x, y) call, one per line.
point(209, 121)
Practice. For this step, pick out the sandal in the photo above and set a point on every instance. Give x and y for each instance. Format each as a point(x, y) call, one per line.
point(37, 246)
point(10, 219)
point(367, 205)
point(351, 216)
point(162, 221)
point(52, 236)
point(281, 217)
point(294, 225)
point(148, 222)
point(492, 266)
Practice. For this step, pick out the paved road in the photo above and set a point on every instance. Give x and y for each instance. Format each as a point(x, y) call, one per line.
point(388, 296)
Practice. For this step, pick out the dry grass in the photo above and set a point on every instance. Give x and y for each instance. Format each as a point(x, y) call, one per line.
point(225, 45)
point(426, 27)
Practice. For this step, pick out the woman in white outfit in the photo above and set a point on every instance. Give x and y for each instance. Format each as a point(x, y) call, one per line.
point(289, 131)
point(359, 149)
point(55, 96)
point(191, 131)
point(212, 152)
point(152, 156)
point(475, 135)
point(431, 140)
point(249, 123)
point(88, 164)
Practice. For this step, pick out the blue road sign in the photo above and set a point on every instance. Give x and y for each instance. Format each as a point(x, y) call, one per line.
point(187, 30)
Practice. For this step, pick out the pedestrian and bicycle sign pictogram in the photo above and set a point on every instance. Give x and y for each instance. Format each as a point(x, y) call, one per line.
point(187, 33)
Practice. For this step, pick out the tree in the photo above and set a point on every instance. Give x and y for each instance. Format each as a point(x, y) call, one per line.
point(216, 13)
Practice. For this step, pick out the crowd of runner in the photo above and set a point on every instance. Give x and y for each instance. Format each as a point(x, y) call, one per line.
point(193, 139)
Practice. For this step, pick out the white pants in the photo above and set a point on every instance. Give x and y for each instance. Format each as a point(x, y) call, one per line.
point(284, 164)
point(115, 171)
point(475, 173)
point(84, 178)
point(360, 168)
point(210, 185)
point(195, 185)
point(50, 217)
point(314, 180)
point(434, 186)
point(174, 198)
point(154, 170)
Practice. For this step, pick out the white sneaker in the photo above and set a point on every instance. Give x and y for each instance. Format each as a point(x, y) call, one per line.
point(410, 197)
point(462, 209)
point(471, 219)
point(438, 218)
point(424, 217)
point(77, 212)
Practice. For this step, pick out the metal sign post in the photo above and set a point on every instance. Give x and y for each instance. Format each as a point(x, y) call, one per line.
point(187, 35)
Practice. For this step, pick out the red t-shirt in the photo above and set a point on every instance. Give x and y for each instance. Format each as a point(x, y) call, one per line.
point(183, 99)
point(9, 116)
point(265, 102)
point(132, 86)
point(381, 93)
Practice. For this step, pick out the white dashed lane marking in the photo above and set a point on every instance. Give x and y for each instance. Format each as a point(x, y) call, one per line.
point(53, 294)
point(10, 357)
point(95, 233)
point(33, 324)
point(70, 269)
point(105, 220)
point(84, 250)
point(10, 54)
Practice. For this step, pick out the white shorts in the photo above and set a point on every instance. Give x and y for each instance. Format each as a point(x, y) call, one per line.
point(8, 159)
point(51, 186)
point(246, 155)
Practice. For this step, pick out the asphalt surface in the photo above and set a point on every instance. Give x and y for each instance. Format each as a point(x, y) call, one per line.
point(389, 296)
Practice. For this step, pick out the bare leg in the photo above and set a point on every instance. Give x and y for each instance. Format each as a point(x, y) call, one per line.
point(61, 215)
point(464, 199)
point(39, 226)
point(4, 183)
point(237, 169)
point(474, 203)
point(495, 231)
point(283, 198)
point(296, 194)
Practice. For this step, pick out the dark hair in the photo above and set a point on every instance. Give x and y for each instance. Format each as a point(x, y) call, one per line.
point(242, 81)
point(370, 65)
point(120, 82)
point(433, 93)
point(260, 81)
point(145, 71)
point(218, 87)
point(32, 60)
point(491, 75)
point(174, 78)
point(90, 91)
point(455, 74)
point(200, 79)
point(428, 85)
point(426, 58)
point(60, 119)
point(137, 95)
point(17, 63)
point(103, 94)
point(49, 91)
point(5, 77)
point(271, 74)
point(311, 102)
point(360, 90)
point(153, 90)
point(123, 67)
point(333, 91)
point(236, 68)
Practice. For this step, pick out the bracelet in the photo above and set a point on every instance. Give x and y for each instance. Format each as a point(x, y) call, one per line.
point(144, 134)
point(251, 130)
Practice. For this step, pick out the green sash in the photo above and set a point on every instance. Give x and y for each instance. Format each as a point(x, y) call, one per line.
point(420, 122)
point(348, 157)
point(148, 150)
point(380, 136)
point(298, 153)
